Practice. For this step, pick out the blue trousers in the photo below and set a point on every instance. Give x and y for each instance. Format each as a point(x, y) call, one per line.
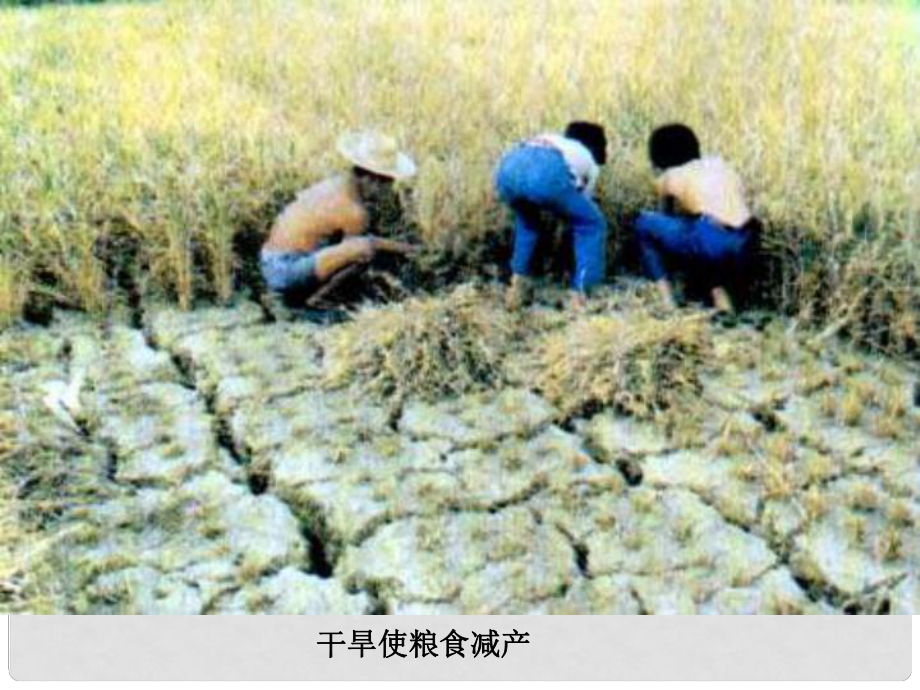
point(530, 179)
point(289, 271)
point(700, 245)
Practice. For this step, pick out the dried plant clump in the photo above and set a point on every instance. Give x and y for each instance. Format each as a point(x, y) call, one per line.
point(11, 538)
point(815, 504)
point(426, 347)
point(25, 570)
point(877, 299)
point(778, 479)
point(890, 545)
point(851, 408)
point(640, 365)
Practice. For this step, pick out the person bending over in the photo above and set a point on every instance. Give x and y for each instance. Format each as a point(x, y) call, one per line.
point(704, 225)
point(556, 173)
point(323, 233)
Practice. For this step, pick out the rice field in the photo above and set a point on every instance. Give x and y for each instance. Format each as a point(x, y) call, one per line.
point(177, 127)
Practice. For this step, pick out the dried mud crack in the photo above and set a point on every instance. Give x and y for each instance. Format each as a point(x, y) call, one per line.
point(197, 463)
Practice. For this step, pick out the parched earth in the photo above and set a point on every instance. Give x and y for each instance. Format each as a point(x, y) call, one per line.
point(195, 464)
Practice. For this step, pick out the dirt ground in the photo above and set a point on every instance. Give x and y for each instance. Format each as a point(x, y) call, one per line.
point(194, 463)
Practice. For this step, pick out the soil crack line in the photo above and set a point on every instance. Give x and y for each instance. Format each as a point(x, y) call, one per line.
point(257, 479)
point(580, 551)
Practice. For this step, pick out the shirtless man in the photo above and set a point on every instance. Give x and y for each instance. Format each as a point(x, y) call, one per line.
point(324, 231)
point(704, 222)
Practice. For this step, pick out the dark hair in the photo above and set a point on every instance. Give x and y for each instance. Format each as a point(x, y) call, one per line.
point(592, 136)
point(365, 174)
point(672, 145)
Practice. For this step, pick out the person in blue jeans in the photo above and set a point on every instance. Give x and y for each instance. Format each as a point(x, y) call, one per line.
point(704, 226)
point(556, 173)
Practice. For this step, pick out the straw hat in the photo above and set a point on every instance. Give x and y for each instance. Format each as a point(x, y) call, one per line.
point(377, 153)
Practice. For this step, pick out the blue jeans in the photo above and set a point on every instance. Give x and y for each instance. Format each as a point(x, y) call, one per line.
point(288, 271)
point(700, 244)
point(530, 179)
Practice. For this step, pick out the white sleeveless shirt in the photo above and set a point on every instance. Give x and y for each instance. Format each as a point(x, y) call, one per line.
point(577, 157)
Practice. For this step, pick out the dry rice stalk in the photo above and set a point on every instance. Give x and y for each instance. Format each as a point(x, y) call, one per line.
point(13, 292)
point(640, 364)
point(427, 347)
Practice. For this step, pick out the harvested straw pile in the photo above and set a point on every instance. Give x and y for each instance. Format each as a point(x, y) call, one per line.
point(640, 364)
point(427, 347)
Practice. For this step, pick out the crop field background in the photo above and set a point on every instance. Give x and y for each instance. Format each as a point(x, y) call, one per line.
point(178, 127)
point(438, 453)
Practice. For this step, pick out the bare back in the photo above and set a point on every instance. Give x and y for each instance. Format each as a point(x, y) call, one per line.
point(319, 212)
point(709, 186)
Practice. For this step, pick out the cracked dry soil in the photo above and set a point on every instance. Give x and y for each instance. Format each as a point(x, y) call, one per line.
point(195, 464)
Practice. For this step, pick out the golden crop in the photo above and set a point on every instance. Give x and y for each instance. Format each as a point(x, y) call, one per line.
point(183, 122)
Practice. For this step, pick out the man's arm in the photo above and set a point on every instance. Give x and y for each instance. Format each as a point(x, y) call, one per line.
point(355, 250)
point(354, 226)
point(351, 251)
point(667, 187)
point(668, 205)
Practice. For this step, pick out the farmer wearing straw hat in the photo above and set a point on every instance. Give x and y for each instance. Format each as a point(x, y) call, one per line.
point(323, 232)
